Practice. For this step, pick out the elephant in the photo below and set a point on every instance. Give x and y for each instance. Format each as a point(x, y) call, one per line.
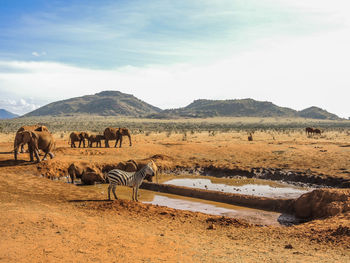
point(84, 171)
point(317, 131)
point(309, 130)
point(129, 166)
point(116, 134)
point(77, 137)
point(143, 163)
point(31, 128)
point(91, 178)
point(133, 166)
point(36, 140)
point(97, 139)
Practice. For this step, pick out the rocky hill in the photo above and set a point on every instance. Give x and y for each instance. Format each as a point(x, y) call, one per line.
point(116, 103)
point(4, 114)
point(241, 108)
point(317, 113)
point(105, 103)
point(231, 108)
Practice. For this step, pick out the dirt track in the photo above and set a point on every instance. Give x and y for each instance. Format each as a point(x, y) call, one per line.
point(43, 220)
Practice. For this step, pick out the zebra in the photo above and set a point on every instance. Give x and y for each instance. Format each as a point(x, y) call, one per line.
point(134, 180)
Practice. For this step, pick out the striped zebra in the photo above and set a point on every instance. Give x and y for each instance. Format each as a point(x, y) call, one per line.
point(134, 180)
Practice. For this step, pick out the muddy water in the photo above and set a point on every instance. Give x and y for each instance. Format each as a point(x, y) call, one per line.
point(255, 187)
point(253, 216)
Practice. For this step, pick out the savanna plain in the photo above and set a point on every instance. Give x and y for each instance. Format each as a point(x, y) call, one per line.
point(45, 219)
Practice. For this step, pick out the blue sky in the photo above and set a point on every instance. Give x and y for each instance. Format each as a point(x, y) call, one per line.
point(104, 34)
point(290, 52)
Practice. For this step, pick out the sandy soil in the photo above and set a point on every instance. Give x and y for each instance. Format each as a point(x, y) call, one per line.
point(50, 221)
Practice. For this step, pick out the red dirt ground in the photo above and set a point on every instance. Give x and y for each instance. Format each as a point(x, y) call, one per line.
point(50, 221)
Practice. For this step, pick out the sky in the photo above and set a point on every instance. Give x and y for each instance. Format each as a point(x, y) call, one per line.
point(294, 53)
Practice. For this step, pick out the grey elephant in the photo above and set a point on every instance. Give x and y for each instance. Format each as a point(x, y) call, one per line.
point(36, 140)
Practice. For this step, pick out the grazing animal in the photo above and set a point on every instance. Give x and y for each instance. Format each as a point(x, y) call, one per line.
point(317, 131)
point(250, 137)
point(95, 138)
point(116, 134)
point(134, 180)
point(77, 137)
point(309, 130)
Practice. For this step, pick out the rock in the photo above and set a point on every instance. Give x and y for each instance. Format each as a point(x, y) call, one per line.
point(322, 203)
point(211, 227)
point(289, 246)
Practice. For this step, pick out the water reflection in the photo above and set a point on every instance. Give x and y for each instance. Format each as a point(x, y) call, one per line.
point(262, 188)
point(253, 216)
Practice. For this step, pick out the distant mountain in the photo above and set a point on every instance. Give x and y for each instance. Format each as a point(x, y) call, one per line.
point(229, 108)
point(232, 108)
point(4, 114)
point(317, 113)
point(116, 103)
point(241, 108)
point(105, 103)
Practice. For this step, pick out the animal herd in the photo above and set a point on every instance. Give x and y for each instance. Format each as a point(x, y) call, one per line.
point(108, 134)
point(38, 137)
point(312, 131)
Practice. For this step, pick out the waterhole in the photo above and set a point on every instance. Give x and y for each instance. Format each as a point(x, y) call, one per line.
point(254, 216)
point(254, 187)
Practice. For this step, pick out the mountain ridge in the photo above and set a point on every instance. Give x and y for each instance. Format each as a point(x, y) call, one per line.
point(5, 114)
point(116, 103)
point(105, 103)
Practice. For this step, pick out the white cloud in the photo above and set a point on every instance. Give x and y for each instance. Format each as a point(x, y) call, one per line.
point(38, 54)
point(297, 69)
point(18, 106)
point(294, 73)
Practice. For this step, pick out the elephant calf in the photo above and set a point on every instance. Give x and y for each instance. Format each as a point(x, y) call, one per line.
point(36, 140)
point(97, 139)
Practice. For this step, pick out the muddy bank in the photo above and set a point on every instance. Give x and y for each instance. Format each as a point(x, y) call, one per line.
point(264, 203)
point(322, 203)
point(168, 165)
point(301, 178)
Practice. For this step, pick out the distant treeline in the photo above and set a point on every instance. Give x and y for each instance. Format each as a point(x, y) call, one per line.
point(98, 124)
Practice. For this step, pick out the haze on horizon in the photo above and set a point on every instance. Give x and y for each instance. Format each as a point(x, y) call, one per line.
point(293, 53)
